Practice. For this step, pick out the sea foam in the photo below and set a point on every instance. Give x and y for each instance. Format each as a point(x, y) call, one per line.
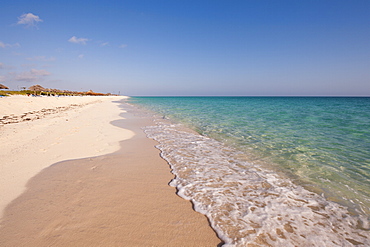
point(248, 204)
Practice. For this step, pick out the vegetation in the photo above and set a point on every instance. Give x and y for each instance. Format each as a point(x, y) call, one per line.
point(39, 90)
point(3, 93)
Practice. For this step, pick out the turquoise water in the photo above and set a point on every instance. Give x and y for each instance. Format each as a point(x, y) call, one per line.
point(319, 144)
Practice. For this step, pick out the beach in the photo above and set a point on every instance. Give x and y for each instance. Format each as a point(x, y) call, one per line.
point(79, 171)
point(270, 171)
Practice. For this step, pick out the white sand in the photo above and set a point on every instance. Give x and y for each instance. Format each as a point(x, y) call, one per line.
point(19, 104)
point(30, 146)
point(120, 199)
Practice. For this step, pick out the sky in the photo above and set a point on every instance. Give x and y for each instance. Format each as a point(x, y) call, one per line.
point(188, 47)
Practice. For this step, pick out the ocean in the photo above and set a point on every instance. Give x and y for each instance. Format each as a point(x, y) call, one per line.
point(270, 171)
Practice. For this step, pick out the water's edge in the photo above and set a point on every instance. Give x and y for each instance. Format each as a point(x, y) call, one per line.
point(246, 203)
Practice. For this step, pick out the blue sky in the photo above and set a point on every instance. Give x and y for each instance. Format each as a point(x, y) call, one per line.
point(186, 47)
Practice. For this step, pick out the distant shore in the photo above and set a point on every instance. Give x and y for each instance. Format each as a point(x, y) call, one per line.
point(80, 171)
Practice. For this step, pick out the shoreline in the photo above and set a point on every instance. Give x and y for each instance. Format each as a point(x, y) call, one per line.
point(258, 200)
point(110, 199)
point(33, 145)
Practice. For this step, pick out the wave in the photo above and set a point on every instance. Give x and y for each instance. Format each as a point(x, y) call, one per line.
point(248, 204)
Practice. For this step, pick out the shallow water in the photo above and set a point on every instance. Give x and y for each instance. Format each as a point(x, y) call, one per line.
point(271, 171)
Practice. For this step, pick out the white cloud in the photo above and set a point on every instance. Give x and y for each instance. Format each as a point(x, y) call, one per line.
point(76, 40)
point(123, 46)
point(104, 44)
point(29, 20)
point(81, 56)
point(4, 45)
point(32, 76)
point(1, 65)
point(41, 58)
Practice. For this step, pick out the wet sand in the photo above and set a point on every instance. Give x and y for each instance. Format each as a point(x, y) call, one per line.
point(81, 129)
point(119, 199)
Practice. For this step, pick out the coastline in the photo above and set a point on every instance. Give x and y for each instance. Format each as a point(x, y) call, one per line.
point(264, 206)
point(120, 195)
point(77, 132)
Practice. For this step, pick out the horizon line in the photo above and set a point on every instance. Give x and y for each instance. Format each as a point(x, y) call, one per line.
point(339, 96)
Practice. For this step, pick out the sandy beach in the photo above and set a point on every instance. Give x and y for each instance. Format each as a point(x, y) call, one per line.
point(79, 171)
